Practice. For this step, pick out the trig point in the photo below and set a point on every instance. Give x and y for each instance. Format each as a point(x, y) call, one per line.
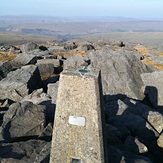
point(78, 131)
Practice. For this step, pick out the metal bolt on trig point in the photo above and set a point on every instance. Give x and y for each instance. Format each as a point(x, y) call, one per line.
point(74, 160)
point(84, 70)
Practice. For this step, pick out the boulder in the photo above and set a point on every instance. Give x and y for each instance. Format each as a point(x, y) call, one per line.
point(117, 43)
point(113, 136)
point(52, 91)
point(43, 48)
point(25, 152)
point(55, 62)
point(160, 141)
point(155, 119)
point(20, 83)
point(28, 47)
point(41, 98)
point(132, 144)
point(153, 87)
point(46, 69)
point(116, 155)
point(23, 120)
point(49, 66)
point(49, 80)
point(75, 62)
point(24, 59)
point(47, 132)
point(133, 158)
point(120, 72)
point(137, 107)
point(9, 48)
point(5, 68)
point(144, 132)
point(36, 97)
point(70, 46)
point(4, 105)
point(86, 47)
point(44, 155)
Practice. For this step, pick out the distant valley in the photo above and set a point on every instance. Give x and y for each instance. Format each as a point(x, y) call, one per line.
point(21, 29)
point(55, 26)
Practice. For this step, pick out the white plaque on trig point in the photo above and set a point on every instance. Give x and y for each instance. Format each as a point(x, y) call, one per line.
point(78, 121)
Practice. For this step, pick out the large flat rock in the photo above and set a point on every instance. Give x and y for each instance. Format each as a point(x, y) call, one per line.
point(20, 83)
point(153, 87)
point(120, 72)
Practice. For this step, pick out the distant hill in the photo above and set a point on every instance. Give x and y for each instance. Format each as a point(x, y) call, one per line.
point(74, 26)
point(69, 28)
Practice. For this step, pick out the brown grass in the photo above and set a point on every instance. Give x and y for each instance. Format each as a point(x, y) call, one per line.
point(159, 53)
point(72, 53)
point(6, 56)
point(155, 65)
point(148, 61)
point(47, 75)
point(144, 51)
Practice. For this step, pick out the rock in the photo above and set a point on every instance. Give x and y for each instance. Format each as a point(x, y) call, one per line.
point(115, 155)
point(132, 144)
point(46, 69)
point(24, 152)
point(75, 62)
point(70, 46)
point(113, 136)
point(144, 132)
point(36, 97)
point(6, 103)
point(114, 108)
point(30, 46)
point(47, 131)
point(137, 107)
point(5, 68)
point(40, 54)
point(44, 155)
point(160, 141)
point(120, 72)
point(55, 62)
point(24, 59)
point(86, 47)
point(49, 80)
point(41, 98)
point(23, 120)
point(9, 48)
point(49, 66)
point(118, 156)
point(2, 112)
point(153, 88)
point(20, 83)
point(155, 119)
point(50, 57)
point(43, 48)
point(133, 158)
point(52, 91)
point(118, 43)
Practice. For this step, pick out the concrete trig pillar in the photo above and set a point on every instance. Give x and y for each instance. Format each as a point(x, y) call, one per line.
point(78, 131)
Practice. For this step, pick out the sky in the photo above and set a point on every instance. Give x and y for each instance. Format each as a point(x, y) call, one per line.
point(72, 8)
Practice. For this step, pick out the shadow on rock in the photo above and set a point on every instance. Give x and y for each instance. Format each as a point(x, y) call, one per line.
point(7, 152)
point(133, 129)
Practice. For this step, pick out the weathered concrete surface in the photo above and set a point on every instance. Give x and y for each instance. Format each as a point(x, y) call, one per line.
point(77, 130)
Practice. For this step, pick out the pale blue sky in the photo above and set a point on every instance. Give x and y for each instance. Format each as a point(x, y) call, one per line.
point(64, 8)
